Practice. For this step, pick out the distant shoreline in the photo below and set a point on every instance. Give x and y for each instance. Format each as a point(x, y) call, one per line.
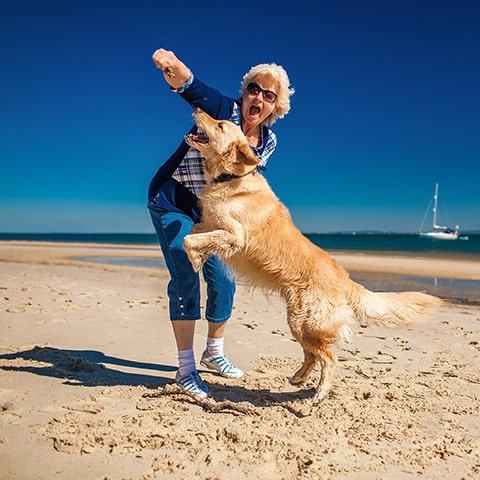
point(350, 241)
point(376, 270)
point(353, 255)
point(439, 249)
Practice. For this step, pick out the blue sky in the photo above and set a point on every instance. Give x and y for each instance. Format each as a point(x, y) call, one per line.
point(387, 103)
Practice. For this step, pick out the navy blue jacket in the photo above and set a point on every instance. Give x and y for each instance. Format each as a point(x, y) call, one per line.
point(164, 191)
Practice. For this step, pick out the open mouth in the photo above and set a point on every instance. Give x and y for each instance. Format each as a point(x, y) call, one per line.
point(254, 110)
point(196, 138)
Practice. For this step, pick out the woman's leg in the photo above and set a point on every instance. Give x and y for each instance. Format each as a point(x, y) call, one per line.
point(216, 330)
point(220, 295)
point(184, 286)
point(183, 293)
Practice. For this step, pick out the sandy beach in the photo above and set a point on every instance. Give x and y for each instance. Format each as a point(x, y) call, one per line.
point(87, 361)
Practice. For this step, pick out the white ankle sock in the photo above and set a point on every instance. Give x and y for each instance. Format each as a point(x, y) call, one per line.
point(186, 362)
point(215, 346)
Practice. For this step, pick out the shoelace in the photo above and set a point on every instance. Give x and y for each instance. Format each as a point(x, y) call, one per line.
point(224, 363)
point(193, 383)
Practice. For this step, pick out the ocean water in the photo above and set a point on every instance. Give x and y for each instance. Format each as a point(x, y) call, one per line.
point(398, 243)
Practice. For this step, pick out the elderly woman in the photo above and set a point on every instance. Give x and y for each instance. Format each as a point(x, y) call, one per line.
point(174, 207)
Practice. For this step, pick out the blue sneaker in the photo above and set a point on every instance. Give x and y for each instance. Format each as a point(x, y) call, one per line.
point(222, 365)
point(193, 384)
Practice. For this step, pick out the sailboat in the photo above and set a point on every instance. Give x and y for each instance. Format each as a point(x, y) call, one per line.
point(440, 232)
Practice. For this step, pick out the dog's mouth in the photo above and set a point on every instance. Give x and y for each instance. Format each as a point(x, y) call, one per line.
point(201, 138)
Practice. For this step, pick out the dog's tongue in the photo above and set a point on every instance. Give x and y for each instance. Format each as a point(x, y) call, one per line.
point(198, 137)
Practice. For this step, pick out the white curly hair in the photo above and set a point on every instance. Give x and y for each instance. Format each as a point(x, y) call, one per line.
point(279, 75)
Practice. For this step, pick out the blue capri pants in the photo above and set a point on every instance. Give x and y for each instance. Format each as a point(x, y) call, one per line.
point(184, 285)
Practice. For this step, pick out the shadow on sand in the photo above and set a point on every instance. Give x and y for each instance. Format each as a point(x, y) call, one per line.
point(88, 368)
point(83, 367)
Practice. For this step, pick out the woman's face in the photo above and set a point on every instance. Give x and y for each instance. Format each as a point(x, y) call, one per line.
point(259, 100)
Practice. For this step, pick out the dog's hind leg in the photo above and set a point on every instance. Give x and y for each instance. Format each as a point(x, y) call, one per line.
point(316, 324)
point(308, 365)
point(327, 360)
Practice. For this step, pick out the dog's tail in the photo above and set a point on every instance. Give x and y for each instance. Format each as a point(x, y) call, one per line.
point(391, 308)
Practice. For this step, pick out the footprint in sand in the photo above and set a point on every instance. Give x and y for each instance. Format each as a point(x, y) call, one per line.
point(251, 325)
point(7, 410)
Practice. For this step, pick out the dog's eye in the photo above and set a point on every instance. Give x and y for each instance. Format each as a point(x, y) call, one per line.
point(220, 125)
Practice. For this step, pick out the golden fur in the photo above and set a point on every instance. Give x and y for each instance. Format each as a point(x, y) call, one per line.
point(247, 226)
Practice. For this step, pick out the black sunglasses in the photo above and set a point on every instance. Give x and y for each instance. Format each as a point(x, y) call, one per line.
point(268, 95)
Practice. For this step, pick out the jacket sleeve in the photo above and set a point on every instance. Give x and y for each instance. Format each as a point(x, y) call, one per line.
point(210, 100)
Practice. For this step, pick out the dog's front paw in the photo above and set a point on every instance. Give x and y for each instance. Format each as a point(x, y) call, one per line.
point(196, 258)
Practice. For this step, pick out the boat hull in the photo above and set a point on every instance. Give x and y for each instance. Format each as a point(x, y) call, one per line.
point(440, 235)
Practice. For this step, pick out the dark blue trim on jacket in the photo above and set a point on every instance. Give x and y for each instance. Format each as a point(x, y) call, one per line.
point(166, 192)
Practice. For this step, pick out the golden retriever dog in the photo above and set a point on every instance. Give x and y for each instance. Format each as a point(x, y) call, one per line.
point(244, 223)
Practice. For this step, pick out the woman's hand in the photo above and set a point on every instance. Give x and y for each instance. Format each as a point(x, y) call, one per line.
point(176, 73)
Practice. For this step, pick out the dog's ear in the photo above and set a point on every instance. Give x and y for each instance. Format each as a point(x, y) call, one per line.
point(245, 154)
point(238, 159)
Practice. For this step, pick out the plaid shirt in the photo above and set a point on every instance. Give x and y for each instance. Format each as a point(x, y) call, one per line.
point(190, 171)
